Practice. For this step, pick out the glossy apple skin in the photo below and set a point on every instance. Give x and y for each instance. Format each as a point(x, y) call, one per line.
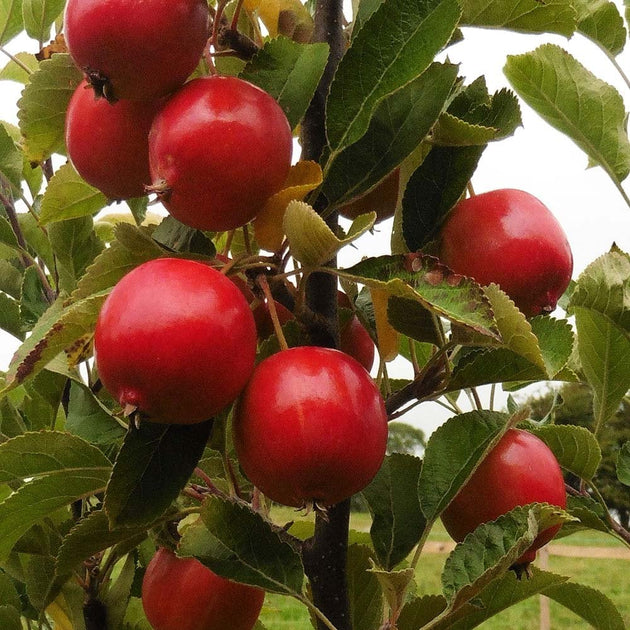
point(221, 147)
point(382, 199)
point(176, 339)
point(521, 469)
point(183, 594)
point(142, 50)
point(510, 238)
point(310, 427)
point(108, 144)
point(355, 340)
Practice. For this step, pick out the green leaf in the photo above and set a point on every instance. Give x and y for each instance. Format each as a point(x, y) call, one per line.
point(11, 21)
point(603, 349)
point(11, 161)
point(492, 548)
point(364, 591)
point(48, 453)
point(89, 419)
point(425, 280)
point(575, 448)
point(131, 247)
point(43, 496)
point(433, 189)
point(39, 16)
point(10, 320)
point(576, 102)
point(68, 196)
point(412, 320)
point(43, 106)
point(394, 585)
point(15, 72)
point(364, 13)
point(604, 286)
point(153, 465)
point(588, 603)
point(527, 16)
point(474, 117)
point(10, 618)
point(312, 241)
point(504, 592)
point(9, 246)
point(118, 594)
point(401, 39)
point(590, 513)
point(57, 330)
point(418, 612)
point(555, 340)
point(399, 124)
point(602, 23)
point(453, 452)
point(397, 520)
point(497, 365)
point(623, 464)
point(75, 245)
point(290, 72)
point(8, 593)
point(223, 542)
point(36, 238)
point(33, 301)
point(88, 537)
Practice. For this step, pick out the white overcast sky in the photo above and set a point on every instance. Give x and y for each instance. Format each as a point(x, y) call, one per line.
point(537, 159)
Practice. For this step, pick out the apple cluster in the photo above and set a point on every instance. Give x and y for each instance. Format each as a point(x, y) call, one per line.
point(213, 149)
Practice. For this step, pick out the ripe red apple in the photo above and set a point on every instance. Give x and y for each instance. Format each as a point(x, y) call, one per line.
point(310, 427)
point(132, 49)
point(176, 340)
point(509, 237)
point(183, 594)
point(218, 150)
point(520, 469)
point(382, 199)
point(108, 144)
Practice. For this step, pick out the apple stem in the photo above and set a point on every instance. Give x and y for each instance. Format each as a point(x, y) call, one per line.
point(261, 280)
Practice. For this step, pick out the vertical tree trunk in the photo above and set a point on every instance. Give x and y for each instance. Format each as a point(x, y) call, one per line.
point(325, 554)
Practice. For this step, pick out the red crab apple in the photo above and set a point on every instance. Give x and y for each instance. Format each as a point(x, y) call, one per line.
point(218, 150)
point(310, 427)
point(509, 237)
point(183, 594)
point(519, 470)
point(136, 50)
point(108, 144)
point(176, 340)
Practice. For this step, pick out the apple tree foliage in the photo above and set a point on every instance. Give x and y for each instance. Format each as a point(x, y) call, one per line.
point(84, 496)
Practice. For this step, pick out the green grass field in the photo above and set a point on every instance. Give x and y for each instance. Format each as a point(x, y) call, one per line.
point(608, 576)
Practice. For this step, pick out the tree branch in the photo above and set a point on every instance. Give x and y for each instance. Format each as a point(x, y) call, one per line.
point(325, 554)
